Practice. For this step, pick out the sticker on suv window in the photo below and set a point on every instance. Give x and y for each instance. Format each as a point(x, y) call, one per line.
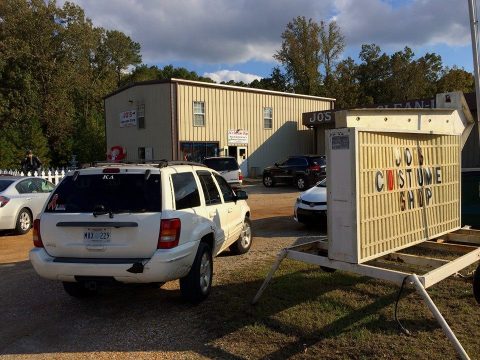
point(52, 205)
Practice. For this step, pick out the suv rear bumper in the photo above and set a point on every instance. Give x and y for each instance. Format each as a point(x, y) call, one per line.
point(164, 265)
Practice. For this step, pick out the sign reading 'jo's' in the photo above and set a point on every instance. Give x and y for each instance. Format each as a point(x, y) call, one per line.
point(411, 176)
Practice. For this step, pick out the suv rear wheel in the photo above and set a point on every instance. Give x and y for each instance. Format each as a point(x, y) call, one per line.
point(268, 181)
point(196, 286)
point(244, 242)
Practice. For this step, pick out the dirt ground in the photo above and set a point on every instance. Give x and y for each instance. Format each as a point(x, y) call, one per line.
point(39, 321)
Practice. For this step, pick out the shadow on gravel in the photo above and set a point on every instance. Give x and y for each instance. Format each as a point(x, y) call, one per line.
point(286, 226)
point(37, 317)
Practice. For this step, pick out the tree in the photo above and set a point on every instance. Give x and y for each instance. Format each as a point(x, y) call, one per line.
point(121, 51)
point(373, 72)
point(300, 55)
point(455, 79)
point(345, 86)
point(55, 68)
point(332, 44)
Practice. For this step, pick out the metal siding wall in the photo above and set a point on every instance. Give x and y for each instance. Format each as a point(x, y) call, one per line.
point(231, 109)
point(384, 227)
point(157, 132)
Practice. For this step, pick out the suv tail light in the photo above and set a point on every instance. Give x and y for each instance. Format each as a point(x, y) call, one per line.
point(240, 175)
point(314, 167)
point(3, 201)
point(169, 233)
point(37, 238)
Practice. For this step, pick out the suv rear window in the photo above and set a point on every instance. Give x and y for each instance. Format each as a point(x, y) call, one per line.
point(319, 160)
point(116, 192)
point(220, 164)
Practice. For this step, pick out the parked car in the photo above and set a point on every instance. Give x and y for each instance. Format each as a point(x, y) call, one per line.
point(140, 223)
point(311, 205)
point(302, 171)
point(226, 166)
point(21, 200)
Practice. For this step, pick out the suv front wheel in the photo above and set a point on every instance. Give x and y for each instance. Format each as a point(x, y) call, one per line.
point(196, 286)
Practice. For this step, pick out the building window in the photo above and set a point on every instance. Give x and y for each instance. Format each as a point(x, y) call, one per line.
point(198, 151)
point(141, 116)
point(198, 113)
point(267, 117)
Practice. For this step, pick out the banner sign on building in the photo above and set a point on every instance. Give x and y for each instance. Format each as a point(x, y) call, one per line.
point(237, 137)
point(128, 118)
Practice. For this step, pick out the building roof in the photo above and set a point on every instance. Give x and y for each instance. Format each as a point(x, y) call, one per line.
point(215, 85)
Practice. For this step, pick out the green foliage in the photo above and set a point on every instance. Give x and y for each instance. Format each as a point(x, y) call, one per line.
point(55, 68)
point(145, 73)
point(454, 79)
point(300, 55)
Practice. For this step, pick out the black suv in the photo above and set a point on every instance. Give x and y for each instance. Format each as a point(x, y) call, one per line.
point(302, 170)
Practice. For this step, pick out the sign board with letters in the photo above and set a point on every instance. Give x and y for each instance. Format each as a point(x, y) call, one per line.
point(237, 137)
point(128, 118)
point(396, 187)
point(326, 117)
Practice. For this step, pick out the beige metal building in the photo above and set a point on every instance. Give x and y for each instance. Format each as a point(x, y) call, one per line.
point(189, 120)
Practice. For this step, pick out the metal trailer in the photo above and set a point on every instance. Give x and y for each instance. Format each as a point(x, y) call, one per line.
point(364, 241)
point(466, 241)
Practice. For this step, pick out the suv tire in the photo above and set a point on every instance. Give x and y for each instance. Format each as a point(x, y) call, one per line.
point(77, 290)
point(244, 242)
point(196, 286)
point(24, 222)
point(268, 181)
point(302, 183)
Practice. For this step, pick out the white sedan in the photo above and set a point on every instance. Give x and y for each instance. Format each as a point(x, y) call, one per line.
point(21, 200)
point(311, 205)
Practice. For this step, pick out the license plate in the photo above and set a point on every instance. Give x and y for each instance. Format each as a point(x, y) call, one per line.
point(97, 236)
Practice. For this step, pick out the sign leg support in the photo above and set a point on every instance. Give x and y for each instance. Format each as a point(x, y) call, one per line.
point(281, 255)
point(436, 313)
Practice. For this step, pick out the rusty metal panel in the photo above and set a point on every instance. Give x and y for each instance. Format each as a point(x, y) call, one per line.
point(408, 189)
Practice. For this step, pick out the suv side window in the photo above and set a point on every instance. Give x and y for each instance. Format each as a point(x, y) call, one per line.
point(227, 192)
point(186, 191)
point(298, 162)
point(212, 196)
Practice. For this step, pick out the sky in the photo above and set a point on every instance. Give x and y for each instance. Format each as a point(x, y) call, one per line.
point(236, 39)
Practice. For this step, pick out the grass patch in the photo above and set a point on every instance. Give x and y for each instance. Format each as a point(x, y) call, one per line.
point(307, 313)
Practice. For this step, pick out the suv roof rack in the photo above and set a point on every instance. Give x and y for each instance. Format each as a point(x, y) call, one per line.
point(159, 163)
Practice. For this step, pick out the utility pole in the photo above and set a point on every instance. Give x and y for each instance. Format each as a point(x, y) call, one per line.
point(472, 9)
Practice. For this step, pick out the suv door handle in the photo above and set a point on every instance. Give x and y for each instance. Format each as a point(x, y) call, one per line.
point(230, 210)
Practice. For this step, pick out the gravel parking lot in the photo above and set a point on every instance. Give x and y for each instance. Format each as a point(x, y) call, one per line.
point(39, 320)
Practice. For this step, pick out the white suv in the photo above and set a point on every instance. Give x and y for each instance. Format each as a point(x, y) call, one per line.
point(139, 224)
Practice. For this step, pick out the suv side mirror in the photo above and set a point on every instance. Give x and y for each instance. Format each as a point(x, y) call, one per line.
point(241, 195)
point(276, 164)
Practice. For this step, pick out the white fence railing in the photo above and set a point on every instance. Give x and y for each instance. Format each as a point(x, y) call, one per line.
point(52, 175)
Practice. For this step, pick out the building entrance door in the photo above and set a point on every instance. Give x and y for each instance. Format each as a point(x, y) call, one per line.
point(240, 153)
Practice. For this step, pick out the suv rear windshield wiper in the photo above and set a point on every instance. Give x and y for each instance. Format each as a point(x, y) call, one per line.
point(100, 210)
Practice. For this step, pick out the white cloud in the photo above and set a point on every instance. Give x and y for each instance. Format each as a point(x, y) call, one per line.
point(233, 32)
point(227, 75)
point(414, 23)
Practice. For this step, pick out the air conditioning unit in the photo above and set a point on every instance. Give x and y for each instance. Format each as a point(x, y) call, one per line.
point(398, 183)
